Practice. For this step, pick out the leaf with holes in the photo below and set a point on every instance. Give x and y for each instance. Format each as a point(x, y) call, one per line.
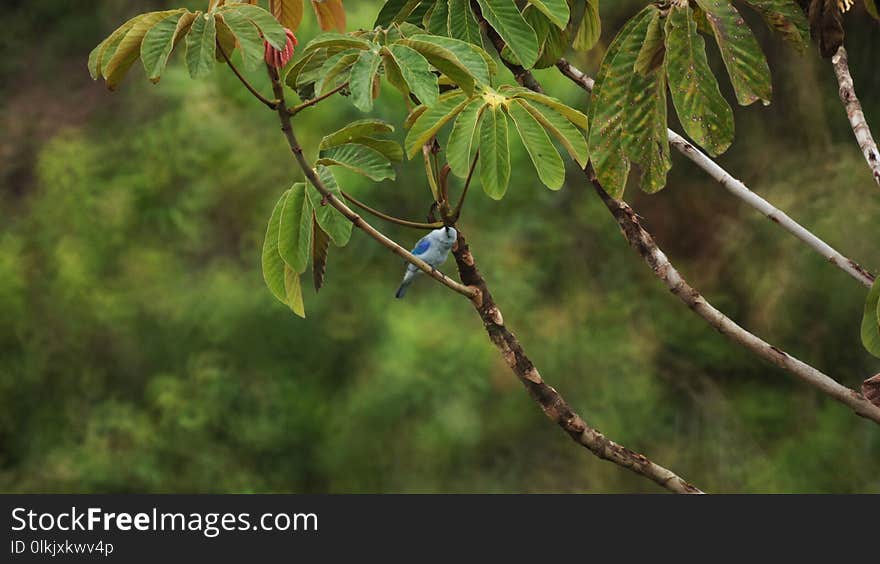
point(360, 159)
point(745, 62)
point(704, 113)
point(506, 19)
point(494, 153)
point(545, 157)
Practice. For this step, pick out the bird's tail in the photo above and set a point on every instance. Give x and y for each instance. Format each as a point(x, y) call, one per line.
point(407, 280)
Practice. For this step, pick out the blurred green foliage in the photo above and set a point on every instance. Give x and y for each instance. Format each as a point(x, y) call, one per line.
point(141, 352)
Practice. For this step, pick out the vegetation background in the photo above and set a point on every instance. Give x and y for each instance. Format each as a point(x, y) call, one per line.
point(141, 352)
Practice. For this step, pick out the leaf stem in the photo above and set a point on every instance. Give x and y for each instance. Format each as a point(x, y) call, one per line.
point(391, 219)
point(467, 184)
point(272, 105)
point(309, 103)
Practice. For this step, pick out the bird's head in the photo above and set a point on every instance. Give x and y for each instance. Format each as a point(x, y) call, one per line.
point(448, 235)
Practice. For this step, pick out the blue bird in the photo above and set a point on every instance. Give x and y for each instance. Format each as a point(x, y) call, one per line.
point(433, 248)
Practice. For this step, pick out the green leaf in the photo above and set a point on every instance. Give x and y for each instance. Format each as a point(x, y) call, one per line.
point(463, 24)
point(645, 140)
point(438, 21)
point(336, 42)
point(273, 264)
point(870, 322)
point(248, 38)
point(608, 103)
point(786, 17)
point(354, 130)
point(360, 159)
point(653, 50)
point(460, 61)
point(161, 40)
point(871, 8)
point(506, 19)
point(335, 66)
point(129, 48)
point(460, 145)
point(331, 220)
point(272, 31)
point(363, 72)
point(390, 149)
point(301, 72)
point(105, 50)
point(494, 153)
point(432, 119)
point(395, 11)
point(591, 28)
point(562, 129)
point(293, 292)
point(548, 163)
point(570, 113)
point(745, 62)
point(416, 73)
point(200, 46)
point(320, 251)
point(703, 112)
point(226, 41)
point(555, 10)
point(295, 230)
point(552, 40)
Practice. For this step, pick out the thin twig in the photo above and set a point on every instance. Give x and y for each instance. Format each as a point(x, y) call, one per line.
point(272, 105)
point(855, 114)
point(642, 241)
point(741, 191)
point(309, 103)
point(456, 214)
point(390, 218)
point(287, 128)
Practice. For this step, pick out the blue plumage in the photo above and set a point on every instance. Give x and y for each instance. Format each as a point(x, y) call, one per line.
point(433, 248)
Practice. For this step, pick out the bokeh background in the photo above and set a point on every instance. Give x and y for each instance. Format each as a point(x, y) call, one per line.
point(141, 352)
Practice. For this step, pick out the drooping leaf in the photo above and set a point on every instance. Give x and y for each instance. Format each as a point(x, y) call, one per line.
point(460, 145)
point(161, 40)
point(354, 130)
point(416, 73)
point(330, 14)
point(360, 159)
point(295, 231)
point(573, 115)
point(645, 141)
point(463, 24)
point(105, 50)
point(559, 127)
point(494, 152)
point(745, 62)
point(320, 250)
point(272, 31)
point(248, 37)
point(395, 11)
point(786, 17)
point(432, 120)
point(226, 41)
point(548, 163)
point(361, 80)
point(438, 19)
point(826, 26)
point(273, 264)
point(129, 48)
point(458, 60)
point(288, 12)
point(608, 103)
point(331, 220)
point(591, 27)
point(336, 66)
point(293, 292)
point(704, 113)
point(870, 323)
point(200, 44)
point(653, 50)
point(552, 40)
point(555, 10)
point(300, 73)
point(391, 150)
point(506, 19)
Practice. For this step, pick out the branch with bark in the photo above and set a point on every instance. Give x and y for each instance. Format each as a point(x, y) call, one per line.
point(854, 112)
point(741, 191)
point(476, 289)
point(642, 241)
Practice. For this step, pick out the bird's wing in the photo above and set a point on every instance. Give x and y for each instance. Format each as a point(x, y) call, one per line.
point(423, 245)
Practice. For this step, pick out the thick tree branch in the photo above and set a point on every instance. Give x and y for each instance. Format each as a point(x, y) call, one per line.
point(642, 241)
point(287, 128)
point(854, 113)
point(741, 191)
point(553, 404)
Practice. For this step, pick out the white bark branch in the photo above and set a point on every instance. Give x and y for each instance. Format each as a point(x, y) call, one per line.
point(741, 191)
point(854, 113)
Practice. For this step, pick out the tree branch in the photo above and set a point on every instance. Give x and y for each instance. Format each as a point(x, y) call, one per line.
point(553, 404)
point(741, 191)
point(269, 103)
point(854, 112)
point(389, 218)
point(642, 241)
point(287, 128)
point(309, 103)
point(456, 213)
